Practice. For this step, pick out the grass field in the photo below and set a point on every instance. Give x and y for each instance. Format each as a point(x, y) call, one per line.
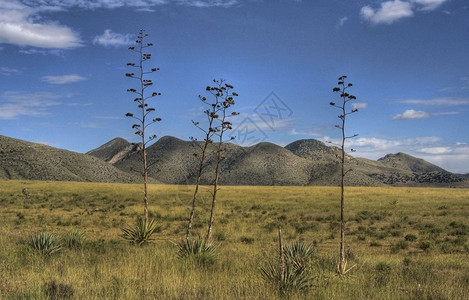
point(407, 243)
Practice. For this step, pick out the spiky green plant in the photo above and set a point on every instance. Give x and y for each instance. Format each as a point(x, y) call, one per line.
point(74, 239)
point(288, 279)
point(141, 232)
point(196, 249)
point(195, 246)
point(44, 243)
point(298, 253)
point(291, 273)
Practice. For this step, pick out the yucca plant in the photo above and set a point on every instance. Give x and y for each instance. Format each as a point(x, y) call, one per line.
point(142, 231)
point(298, 253)
point(74, 239)
point(191, 247)
point(44, 243)
point(292, 272)
point(288, 279)
point(198, 251)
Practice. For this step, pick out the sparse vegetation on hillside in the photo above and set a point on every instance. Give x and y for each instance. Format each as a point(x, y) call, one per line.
point(31, 161)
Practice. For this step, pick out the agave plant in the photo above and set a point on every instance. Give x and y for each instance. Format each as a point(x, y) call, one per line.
point(141, 232)
point(298, 253)
point(291, 274)
point(288, 279)
point(197, 250)
point(44, 243)
point(197, 246)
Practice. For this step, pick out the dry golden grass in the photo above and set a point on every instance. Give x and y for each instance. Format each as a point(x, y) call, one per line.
point(380, 226)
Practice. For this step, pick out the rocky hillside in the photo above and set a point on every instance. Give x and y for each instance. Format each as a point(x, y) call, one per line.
point(171, 160)
point(303, 162)
point(25, 160)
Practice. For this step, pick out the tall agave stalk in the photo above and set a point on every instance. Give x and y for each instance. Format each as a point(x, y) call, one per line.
point(142, 96)
point(342, 106)
point(223, 101)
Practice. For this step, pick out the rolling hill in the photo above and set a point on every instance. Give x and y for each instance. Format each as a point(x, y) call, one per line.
point(303, 162)
point(31, 161)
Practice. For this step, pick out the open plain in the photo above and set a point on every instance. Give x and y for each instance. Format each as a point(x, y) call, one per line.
point(406, 243)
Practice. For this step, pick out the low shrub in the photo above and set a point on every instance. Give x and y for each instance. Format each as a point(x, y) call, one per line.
point(74, 239)
point(410, 237)
point(55, 290)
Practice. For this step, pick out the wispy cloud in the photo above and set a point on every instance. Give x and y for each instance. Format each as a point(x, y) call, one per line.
point(207, 3)
point(19, 27)
point(16, 104)
point(428, 5)
point(138, 4)
point(394, 10)
point(6, 71)
point(446, 101)
point(63, 79)
point(412, 114)
point(341, 22)
point(109, 38)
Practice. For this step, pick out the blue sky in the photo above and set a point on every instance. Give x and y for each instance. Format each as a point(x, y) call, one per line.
point(63, 62)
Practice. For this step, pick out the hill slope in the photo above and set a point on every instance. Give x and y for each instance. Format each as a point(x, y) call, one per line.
point(304, 162)
point(25, 160)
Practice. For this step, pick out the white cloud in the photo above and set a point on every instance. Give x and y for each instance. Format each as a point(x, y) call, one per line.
point(109, 38)
point(436, 150)
point(428, 5)
point(411, 114)
point(389, 12)
point(451, 157)
point(448, 101)
point(6, 71)
point(16, 104)
point(394, 10)
point(18, 27)
point(63, 79)
point(359, 105)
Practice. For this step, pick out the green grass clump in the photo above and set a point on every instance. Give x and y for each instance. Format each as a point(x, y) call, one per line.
point(74, 239)
point(44, 243)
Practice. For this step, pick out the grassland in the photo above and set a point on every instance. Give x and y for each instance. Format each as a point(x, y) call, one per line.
point(407, 243)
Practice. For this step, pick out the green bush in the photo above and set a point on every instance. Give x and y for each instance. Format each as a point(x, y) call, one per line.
point(246, 240)
point(382, 273)
point(55, 290)
point(410, 237)
point(426, 245)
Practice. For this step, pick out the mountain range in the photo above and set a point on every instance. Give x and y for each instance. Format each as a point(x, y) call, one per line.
point(174, 161)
